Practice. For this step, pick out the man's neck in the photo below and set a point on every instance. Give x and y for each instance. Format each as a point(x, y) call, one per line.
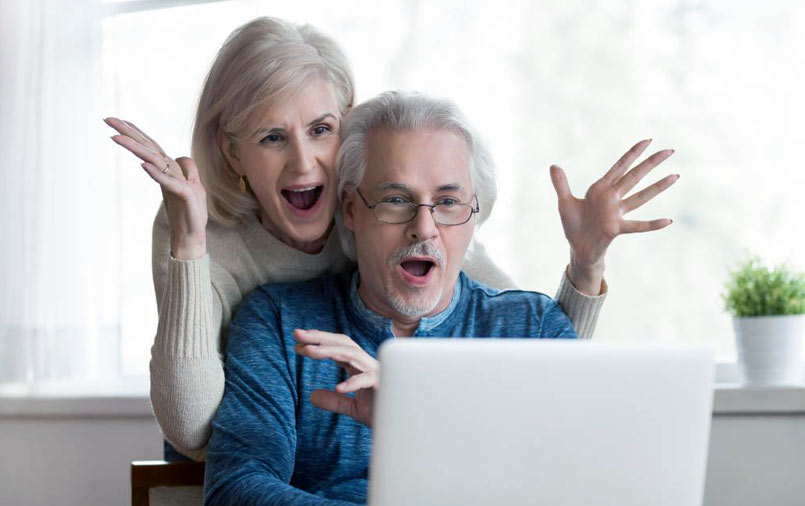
point(401, 325)
point(403, 328)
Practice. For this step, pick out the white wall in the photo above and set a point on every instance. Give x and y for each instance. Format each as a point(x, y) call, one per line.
point(50, 458)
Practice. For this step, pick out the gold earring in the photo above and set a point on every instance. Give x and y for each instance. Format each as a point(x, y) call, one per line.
point(242, 184)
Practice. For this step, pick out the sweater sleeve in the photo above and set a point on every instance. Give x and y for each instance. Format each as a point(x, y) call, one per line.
point(582, 309)
point(187, 377)
point(251, 455)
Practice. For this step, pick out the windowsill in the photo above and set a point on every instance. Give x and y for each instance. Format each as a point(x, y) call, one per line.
point(728, 399)
point(127, 397)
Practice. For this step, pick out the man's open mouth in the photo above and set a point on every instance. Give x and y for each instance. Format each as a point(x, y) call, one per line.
point(303, 198)
point(417, 268)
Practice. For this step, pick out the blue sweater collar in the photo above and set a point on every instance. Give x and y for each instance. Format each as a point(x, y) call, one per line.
point(377, 322)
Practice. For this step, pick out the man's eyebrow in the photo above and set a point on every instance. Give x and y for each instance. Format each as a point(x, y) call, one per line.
point(403, 187)
point(392, 186)
point(450, 187)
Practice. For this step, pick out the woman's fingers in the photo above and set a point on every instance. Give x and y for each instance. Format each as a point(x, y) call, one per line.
point(631, 227)
point(146, 137)
point(628, 181)
point(188, 167)
point(167, 182)
point(142, 152)
point(130, 130)
point(643, 196)
point(625, 161)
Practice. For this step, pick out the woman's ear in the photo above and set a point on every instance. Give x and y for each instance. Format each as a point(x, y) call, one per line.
point(230, 151)
point(348, 209)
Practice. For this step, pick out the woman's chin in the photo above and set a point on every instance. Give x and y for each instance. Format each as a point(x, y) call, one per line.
point(308, 234)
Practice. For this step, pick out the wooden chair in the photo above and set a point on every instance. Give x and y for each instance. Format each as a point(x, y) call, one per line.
point(150, 474)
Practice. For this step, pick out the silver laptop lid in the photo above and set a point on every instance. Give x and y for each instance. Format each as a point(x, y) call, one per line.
point(525, 421)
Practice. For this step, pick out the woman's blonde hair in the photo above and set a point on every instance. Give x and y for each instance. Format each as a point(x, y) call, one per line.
point(259, 62)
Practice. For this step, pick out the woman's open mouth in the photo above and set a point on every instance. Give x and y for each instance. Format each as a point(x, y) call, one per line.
point(303, 200)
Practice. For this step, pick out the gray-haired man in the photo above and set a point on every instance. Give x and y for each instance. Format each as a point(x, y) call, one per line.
point(414, 182)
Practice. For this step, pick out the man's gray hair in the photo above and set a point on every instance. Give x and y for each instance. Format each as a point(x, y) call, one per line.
point(405, 111)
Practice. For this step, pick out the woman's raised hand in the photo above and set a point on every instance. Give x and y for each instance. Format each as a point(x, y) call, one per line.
point(592, 223)
point(182, 191)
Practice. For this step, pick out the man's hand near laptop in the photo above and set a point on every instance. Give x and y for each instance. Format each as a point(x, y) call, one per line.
point(363, 370)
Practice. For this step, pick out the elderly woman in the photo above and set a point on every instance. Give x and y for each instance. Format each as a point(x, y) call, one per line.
point(264, 145)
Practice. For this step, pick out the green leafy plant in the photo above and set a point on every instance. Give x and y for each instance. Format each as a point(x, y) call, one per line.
point(754, 290)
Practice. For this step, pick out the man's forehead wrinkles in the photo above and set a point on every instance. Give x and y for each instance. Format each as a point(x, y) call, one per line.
point(395, 185)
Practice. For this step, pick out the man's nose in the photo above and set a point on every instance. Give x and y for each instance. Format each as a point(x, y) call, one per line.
point(422, 227)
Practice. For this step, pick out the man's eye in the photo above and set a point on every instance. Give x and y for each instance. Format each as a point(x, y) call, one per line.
point(395, 200)
point(448, 202)
point(271, 139)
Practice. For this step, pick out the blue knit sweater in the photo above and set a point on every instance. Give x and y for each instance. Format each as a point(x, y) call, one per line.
point(269, 444)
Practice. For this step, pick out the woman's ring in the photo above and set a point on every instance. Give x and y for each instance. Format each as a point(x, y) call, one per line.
point(167, 168)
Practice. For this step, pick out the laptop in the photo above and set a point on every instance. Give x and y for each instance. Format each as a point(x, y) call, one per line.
point(526, 421)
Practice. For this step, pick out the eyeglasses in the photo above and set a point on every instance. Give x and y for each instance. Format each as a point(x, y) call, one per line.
point(397, 210)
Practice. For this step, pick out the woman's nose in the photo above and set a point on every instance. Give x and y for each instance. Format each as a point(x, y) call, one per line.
point(303, 159)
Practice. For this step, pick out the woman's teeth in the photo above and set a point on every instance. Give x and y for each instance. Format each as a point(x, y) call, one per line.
point(303, 198)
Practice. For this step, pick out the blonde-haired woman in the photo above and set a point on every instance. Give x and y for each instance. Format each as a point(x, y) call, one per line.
point(265, 141)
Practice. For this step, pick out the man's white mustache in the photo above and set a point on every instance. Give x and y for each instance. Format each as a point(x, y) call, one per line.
point(418, 249)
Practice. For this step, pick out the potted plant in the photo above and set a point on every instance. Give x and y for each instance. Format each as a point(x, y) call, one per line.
point(768, 308)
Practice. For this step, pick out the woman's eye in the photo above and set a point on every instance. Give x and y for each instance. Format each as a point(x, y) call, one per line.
point(271, 139)
point(448, 201)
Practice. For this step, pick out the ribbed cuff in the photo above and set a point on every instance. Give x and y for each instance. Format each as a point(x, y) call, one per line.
point(580, 308)
point(185, 316)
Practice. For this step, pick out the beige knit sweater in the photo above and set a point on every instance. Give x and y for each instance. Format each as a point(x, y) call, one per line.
point(198, 298)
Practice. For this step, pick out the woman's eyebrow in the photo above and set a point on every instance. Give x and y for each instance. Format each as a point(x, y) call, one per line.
point(322, 118)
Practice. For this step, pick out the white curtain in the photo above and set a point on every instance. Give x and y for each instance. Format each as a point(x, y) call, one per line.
point(59, 264)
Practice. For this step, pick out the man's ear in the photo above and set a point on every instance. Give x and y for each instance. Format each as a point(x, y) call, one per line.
point(348, 209)
point(230, 151)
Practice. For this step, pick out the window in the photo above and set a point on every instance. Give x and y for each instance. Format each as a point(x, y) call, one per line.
point(574, 84)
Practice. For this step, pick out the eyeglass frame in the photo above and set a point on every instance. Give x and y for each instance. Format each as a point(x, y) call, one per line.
point(473, 210)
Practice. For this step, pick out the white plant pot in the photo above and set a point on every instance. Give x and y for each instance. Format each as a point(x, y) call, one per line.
point(770, 349)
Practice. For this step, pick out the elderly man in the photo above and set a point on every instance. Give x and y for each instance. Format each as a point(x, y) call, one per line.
point(294, 423)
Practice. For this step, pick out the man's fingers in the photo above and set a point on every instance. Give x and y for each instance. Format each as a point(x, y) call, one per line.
point(627, 182)
point(559, 180)
point(354, 357)
point(320, 337)
point(623, 164)
point(643, 196)
point(631, 227)
point(366, 379)
point(335, 402)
